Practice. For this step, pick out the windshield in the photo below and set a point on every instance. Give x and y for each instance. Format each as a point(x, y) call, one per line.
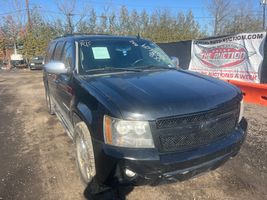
point(98, 55)
point(37, 58)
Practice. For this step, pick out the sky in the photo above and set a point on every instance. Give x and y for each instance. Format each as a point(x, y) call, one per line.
point(199, 7)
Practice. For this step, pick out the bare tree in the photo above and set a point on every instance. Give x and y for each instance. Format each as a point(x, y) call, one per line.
point(12, 29)
point(19, 17)
point(113, 26)
point(124, 20)
point(243, 20)
point(135, 24)
point(220, 11)
point(103, 20)
point(67, 7)
point(144, 21)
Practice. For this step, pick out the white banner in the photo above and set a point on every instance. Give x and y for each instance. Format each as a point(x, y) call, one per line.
point(237, 57)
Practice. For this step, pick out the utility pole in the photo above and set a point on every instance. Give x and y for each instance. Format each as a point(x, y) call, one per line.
point(28, 13)
point(70, 25)
point(263, 3)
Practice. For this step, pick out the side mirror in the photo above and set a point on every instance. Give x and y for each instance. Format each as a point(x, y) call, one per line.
point(175, 61)
point(56, 68)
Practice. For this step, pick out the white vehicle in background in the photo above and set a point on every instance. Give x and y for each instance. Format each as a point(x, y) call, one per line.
point(18, 61)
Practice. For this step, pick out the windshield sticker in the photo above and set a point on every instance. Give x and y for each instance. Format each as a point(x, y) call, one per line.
point(85, 43)
point(133, 43)
point(100, 52)
point(124, 50)
point(153, 53)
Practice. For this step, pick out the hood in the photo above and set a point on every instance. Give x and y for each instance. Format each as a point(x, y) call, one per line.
point(150, 95)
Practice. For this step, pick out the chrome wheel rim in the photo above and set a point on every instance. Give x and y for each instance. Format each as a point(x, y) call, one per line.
point(83, 159)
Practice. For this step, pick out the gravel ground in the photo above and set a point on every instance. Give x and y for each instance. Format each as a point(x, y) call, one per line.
point(37, 157)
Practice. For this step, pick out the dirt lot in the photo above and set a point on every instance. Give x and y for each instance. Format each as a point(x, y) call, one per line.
point(37, 157)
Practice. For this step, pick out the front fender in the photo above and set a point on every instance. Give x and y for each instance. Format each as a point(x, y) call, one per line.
point(82, 113)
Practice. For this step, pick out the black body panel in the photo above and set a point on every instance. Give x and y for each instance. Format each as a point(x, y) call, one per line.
point(155, 94)
point(153, 167)
point(176, 103)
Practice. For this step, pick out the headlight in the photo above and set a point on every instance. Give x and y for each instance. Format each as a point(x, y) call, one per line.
point(241, 112)
point(32, 64)
point(134, 134)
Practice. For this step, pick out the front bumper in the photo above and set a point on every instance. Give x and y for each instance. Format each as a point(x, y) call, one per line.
point(153, 168)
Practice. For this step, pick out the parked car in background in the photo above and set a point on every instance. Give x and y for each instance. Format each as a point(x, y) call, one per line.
point(17, 61)
point(3, 64)
point(36, 62)
point(134, 116)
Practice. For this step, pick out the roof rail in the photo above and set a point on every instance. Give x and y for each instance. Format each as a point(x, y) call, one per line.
point(73, 34)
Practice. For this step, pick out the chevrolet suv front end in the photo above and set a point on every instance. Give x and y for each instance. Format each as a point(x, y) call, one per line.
point(135, 118)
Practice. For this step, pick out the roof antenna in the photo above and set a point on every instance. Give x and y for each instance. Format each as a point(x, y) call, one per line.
point(138, 36)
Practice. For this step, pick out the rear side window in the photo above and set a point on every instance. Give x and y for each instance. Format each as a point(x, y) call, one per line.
point(49, 52)
point(58, 51)
point(67, 55)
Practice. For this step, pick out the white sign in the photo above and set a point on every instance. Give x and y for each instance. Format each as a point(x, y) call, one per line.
point(100, 52)
point(235, 57)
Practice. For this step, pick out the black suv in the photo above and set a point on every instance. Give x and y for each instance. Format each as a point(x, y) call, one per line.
point(134, 116)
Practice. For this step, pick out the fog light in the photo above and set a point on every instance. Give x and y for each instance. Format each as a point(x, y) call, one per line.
point(129, 173)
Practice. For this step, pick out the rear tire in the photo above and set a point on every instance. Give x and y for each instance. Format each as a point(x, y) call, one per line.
point(49, 103)
point(84, 153)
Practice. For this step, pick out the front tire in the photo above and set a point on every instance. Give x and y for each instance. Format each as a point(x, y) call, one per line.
point(84, 153)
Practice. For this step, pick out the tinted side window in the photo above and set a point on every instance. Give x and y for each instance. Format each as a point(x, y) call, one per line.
point(67, 55)
point(58, 51)
point(49, 52)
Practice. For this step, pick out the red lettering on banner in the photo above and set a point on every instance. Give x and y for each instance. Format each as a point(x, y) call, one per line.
point(248, 77)
point(229, 75)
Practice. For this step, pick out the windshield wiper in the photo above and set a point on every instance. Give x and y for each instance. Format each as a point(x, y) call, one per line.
point(113, 69)
point(154, 67)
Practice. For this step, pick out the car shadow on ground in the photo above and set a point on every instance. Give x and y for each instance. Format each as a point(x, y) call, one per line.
point(106, 193)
